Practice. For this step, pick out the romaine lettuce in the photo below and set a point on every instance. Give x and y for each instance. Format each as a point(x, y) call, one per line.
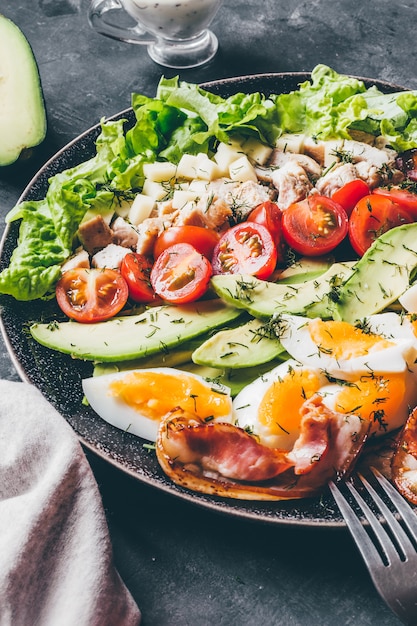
point(184, 118)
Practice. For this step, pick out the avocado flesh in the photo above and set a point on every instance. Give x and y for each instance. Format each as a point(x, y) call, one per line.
point(263, 299)
point(380, 276)
point(247, 345)
point(125, 338)
point(22, 110)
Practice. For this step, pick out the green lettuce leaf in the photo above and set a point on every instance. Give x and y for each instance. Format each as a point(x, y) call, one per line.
point(48, 227)
point(36, 261)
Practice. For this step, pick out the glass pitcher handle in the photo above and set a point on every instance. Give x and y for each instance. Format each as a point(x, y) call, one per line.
point(100, 14)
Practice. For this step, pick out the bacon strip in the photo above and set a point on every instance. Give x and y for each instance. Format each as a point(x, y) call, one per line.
point(224, 460)
point(219, 447)
point(313, 441)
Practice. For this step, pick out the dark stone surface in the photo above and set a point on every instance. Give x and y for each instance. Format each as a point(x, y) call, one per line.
point(185, 565)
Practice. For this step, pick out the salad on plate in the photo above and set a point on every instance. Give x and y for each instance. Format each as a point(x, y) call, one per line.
point(240, 273)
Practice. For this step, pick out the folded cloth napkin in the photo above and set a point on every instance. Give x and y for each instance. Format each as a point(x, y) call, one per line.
point(56, 564)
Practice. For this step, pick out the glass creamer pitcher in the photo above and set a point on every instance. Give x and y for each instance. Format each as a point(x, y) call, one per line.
point(175, 31)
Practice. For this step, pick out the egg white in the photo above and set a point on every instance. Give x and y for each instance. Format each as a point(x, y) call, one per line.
point(296, 339)
point(247, 403)
point(119, 414)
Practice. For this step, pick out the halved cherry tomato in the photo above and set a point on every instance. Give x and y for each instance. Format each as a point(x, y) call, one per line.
point(247, 248)
point(202, 239)
point(314, 226)
point(181, 274)
point(373, 216)
point(269, 214)
point(91, 295)
point(402, 197)
point(350, 194)
point(136, 270)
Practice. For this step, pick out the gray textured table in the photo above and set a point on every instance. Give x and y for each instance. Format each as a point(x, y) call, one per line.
point(184, 565)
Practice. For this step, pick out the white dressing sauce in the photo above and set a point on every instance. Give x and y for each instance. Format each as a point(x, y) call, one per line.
point(173, 19)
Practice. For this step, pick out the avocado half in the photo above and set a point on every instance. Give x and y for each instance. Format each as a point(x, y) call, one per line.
point(22, 108)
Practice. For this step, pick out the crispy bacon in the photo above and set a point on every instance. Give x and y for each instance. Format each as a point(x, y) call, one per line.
point(346, 437)
point(224, 460)
point(404, 460)
point(313, 441)
point(220, 447)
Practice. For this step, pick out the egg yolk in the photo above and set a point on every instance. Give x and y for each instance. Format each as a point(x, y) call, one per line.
point(154, 394)
point(342, 340)
point(280, 407)
point(413, 322)
point(375, 398)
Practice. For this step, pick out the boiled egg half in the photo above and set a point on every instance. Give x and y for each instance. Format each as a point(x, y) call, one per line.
point(136, 400)
point(347, 351)
point(269, 407)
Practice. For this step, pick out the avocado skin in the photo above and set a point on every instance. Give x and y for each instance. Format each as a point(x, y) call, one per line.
point(24, 124)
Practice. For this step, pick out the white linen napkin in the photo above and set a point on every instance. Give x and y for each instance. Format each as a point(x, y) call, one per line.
point(56, 564)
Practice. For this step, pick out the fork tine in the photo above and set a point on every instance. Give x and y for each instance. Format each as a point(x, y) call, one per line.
point(384, 541)
point(401, 538)
point(407, 513)
point(359, 534)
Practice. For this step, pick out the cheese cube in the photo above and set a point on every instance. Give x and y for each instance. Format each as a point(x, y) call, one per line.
point(160, 171)
point(291, 142)
point(198, 187)
point(155, 190)
point(241, 170)
point(187, 167)
point(181, 197)
point(225, 155)
point(141, 208)
point(256, 150)
point(206, 168)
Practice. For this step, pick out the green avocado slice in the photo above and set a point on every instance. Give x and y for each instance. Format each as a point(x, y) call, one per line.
point(22, 110)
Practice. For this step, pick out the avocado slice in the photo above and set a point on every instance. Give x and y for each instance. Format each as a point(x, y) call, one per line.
point(22, 110)
point(131, 337)
point(380, 276)
point(263, 299)
point(247, 345)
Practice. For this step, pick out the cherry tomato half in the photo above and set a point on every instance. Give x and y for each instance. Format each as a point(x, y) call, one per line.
point(314, 226)
point(269, 214)
point(136, 270)
point(246, 248)
point(91, 295)
point(373, 216)
point(181, 274)
point(402, 197)
point(202, 239)
point(350, 194)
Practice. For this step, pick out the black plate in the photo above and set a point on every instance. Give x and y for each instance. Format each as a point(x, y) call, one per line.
point(59, 377)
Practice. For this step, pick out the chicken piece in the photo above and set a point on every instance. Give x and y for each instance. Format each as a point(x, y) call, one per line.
point(279, 158)
point(80, 259)
point(360, 151)
point(292, 184)
point(245, 197)
point(324, 152)
point(335, 178)
point(111, 256)
point(124, 234)
point(95, 234)
point(376, 176)
point(148, 232)
point(165, 209)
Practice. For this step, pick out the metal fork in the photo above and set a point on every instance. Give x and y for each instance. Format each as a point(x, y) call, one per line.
point(388, 543)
